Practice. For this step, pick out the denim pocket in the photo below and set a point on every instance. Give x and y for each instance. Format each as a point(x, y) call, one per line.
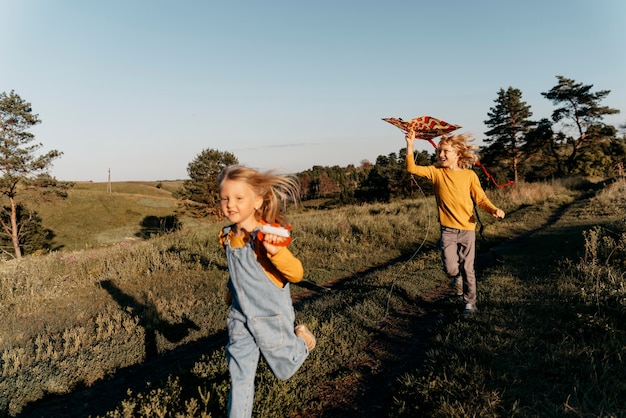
point(269, 332)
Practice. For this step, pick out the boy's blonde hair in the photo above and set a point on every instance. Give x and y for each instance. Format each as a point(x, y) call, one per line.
point(465, 151)
point(274, 188)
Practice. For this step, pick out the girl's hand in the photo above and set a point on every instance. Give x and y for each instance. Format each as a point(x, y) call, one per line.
point(272, 243)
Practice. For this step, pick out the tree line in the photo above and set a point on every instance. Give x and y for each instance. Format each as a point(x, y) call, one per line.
point(572, 141)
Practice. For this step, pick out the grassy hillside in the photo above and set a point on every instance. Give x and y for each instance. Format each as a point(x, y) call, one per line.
point(91, 216)
point(137, 328)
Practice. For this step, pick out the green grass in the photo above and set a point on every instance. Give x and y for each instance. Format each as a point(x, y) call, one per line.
point(548, 339)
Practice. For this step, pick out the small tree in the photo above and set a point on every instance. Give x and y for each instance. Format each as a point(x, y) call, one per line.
point(579, 112)
point(23, 173)
point(203, 186)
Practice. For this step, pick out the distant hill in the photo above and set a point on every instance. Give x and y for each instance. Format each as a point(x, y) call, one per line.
point(92, 216)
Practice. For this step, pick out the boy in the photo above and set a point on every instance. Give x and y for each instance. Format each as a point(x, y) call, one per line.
point(457, 188)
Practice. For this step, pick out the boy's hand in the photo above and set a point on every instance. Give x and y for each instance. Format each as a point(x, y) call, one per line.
point(499, 214)
point(410, 137)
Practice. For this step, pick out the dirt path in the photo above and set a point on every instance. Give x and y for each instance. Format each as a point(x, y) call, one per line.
point(400, 345)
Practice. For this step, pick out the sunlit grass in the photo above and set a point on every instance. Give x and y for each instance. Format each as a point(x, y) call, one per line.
point(548, 338)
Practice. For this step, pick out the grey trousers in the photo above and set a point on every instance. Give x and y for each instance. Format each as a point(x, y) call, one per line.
point(458, 252)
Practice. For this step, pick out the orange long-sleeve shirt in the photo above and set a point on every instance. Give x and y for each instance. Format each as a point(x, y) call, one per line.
point(454, 191)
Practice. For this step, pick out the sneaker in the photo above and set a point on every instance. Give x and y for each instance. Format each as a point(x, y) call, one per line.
point(309, 339)
point(469, 309)
point(456, 284)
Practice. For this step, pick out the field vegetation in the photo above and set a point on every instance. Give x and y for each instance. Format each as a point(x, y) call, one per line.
point(113, 324)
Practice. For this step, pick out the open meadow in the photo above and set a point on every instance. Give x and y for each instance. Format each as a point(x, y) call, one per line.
point(113, 324)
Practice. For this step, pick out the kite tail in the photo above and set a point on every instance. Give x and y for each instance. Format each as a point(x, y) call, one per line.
point(493, 180)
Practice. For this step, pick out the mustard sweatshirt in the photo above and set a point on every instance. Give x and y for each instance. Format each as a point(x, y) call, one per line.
point(454, 191)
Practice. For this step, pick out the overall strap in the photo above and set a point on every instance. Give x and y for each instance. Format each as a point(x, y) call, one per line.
point(225, 231)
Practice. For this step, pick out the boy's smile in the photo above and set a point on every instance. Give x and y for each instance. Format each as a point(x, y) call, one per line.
point(448, 157)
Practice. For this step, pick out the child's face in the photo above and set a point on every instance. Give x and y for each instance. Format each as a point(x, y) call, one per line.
point(239, 202)
point(448, 157)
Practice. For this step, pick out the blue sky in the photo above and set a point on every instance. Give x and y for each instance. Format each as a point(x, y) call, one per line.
point(141, 87)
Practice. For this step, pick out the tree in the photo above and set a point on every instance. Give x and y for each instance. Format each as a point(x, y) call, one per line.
point(23, 172)
point(579, 111)
point(203, 185)
point(542, 160)
point(327, 186)
point(509, 123)
point(331, 182)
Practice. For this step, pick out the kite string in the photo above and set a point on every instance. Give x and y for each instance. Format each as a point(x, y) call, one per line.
point(429, 224)
point(419, 248)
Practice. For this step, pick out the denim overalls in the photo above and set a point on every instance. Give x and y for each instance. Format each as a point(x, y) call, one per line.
point(261, 318)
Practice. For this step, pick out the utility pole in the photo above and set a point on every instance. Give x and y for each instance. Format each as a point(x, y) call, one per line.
point(109, 182)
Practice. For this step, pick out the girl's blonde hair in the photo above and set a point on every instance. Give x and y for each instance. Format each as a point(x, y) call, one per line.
point(465, 151)
point(274, 188)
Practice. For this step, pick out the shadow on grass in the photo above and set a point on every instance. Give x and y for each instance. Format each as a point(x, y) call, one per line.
point(148, 318)
point(106, 395)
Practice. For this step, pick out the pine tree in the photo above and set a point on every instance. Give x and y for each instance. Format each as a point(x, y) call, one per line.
point(580, 114)
point(23, 172)
point(509, 123)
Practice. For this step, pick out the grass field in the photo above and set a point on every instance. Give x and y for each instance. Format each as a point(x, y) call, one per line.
point(128, 327)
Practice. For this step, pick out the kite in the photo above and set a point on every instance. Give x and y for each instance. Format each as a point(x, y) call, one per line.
point(425, 127)
point(275, 229)
point(428, 128)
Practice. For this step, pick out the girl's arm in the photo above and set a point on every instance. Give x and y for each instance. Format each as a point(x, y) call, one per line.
point(289, 266)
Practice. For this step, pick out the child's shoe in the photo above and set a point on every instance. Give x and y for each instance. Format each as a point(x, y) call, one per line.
point(469, 309)
point(309, 339)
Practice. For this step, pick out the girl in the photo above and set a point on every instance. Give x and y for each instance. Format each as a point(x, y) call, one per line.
point(261, 317)
point(457, 188)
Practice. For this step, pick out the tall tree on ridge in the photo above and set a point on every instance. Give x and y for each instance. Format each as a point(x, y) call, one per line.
point(509, 123)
